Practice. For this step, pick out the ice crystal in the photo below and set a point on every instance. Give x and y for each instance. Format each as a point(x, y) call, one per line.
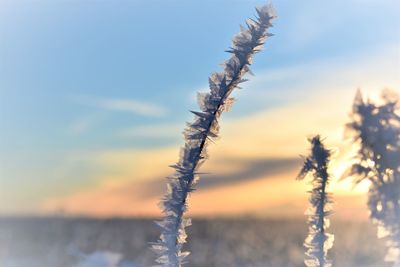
point(318, 242)
point(376, 131)
point(204, 130)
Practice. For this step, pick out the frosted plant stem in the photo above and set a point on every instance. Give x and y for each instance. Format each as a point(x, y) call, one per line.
point(318, 241)
point(376, 133)
point(204, 130)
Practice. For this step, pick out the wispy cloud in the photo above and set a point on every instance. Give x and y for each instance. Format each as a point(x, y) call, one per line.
point(123, 105)
point(155, 131)
point(370, 70)
point(84, 124)
point(248, 170)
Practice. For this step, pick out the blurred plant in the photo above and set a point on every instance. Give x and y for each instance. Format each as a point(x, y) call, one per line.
point(376, 131)
point(204, 130)
point(318, 241)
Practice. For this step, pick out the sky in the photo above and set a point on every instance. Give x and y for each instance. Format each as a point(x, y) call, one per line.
point(94, 96)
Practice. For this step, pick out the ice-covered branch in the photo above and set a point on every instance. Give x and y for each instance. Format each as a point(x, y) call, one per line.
point(376, 131)
point(204, 130)
point(318, 241)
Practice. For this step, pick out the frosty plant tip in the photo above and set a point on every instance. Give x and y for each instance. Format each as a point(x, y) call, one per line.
point(318, 241)
point(376, 133)
point(203, 130)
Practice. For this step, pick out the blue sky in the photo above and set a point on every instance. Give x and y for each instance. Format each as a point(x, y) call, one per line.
point(85, 76)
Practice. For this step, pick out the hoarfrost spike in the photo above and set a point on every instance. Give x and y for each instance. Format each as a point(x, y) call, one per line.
point(376, 131)
point(318, 241)
point(202, 131)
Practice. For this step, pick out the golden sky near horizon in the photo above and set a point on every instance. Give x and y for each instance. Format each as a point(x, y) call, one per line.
point(263, 147)
point(254, 164)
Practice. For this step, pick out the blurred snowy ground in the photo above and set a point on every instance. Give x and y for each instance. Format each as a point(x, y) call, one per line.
point(67, 242)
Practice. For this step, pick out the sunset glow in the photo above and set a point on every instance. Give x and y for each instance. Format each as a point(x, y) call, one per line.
point(93, 103)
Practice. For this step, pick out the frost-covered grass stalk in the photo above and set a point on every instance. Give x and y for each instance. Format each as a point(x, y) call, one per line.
point(376, 131)
point(203, 131)
point(318, 241)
